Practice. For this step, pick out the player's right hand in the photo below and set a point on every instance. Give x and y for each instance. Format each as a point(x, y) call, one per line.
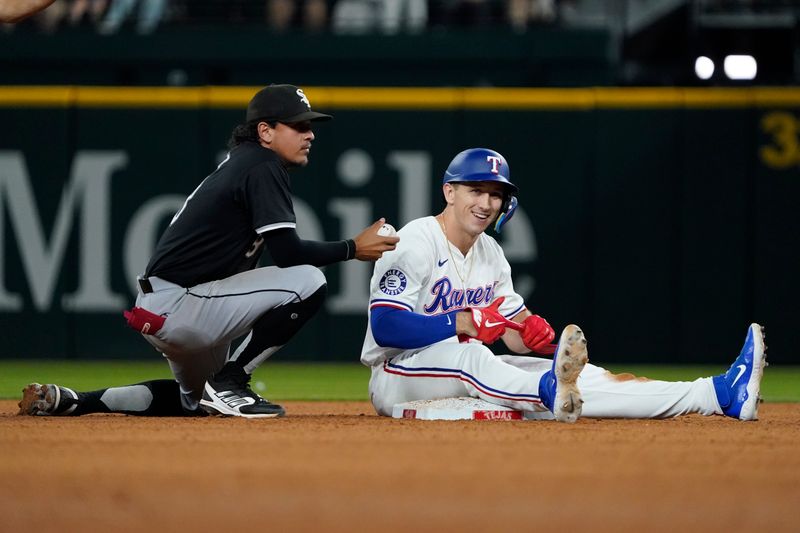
point(370, 246)
point(486, 324)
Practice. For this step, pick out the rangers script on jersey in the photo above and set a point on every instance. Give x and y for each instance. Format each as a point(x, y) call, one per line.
point(423, 276)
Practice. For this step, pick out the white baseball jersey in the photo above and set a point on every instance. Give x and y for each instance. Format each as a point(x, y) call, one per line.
point(423, 276)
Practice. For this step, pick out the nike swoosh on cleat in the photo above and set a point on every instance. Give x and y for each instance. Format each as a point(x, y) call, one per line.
point(443, 262)
point(741, 368)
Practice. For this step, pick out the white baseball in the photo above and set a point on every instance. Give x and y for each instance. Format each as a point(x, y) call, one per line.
point(387, 230)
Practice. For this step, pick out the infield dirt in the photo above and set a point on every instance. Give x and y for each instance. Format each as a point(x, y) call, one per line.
point(338, 467)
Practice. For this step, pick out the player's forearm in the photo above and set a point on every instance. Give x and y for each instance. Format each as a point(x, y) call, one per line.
point(464, 324)
point(514, 342)
point(397, 328)
point(287, 249)
point(17, 10)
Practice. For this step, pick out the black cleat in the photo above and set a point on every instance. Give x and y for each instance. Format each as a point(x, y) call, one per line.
point(230, 395)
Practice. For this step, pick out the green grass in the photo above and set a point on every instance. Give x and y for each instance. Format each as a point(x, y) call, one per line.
point(276, 381)
point(319, 381)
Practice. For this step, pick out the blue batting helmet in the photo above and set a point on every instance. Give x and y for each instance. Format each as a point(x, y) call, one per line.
point(482, 164)
point(479, 164)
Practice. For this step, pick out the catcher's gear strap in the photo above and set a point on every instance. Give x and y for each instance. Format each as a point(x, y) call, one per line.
point(399, 328)
point(288, 249)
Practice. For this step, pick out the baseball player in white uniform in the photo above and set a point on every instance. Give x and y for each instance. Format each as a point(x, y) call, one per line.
point(446, 290)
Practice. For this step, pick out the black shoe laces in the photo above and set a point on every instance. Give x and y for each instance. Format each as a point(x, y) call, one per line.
point(242, 382)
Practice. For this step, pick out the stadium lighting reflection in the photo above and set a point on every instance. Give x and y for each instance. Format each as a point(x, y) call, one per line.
point(704, 67)
point(740, 67)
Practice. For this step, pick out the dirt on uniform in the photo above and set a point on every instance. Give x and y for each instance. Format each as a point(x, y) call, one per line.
point(338, 467)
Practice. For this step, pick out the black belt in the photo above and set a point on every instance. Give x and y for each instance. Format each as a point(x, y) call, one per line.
point(145, 285)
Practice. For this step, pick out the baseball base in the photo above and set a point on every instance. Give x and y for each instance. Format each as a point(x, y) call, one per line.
point(462, 409)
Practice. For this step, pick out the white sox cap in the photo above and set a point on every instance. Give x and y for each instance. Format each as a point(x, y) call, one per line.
point(282, 103)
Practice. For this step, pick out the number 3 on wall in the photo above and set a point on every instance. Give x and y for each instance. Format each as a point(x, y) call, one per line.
point(784, 151)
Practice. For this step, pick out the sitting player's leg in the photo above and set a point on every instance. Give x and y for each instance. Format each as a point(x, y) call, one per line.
point(150, 398)
point(559, 387)
point(734, 394)
point(448, 370)
point(608, 395)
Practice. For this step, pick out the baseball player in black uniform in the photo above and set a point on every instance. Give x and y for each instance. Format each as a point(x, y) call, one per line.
point(202, 290)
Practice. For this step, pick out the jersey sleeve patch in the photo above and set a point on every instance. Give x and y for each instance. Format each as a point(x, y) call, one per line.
point(393, 282)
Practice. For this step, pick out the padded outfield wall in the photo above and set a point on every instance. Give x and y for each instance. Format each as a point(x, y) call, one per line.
point(661, 220)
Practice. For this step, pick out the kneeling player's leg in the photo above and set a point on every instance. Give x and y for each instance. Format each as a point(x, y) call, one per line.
point(277, 326)
point(216, 313)
point(150, 398)
point(227, 392)
point(191, 372)
point(269, 305)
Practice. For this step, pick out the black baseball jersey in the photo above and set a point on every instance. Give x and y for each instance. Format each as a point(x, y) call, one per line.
point(216, 233)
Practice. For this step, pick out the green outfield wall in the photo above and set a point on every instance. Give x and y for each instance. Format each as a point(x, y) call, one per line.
point(662, 220)
point(243, 54)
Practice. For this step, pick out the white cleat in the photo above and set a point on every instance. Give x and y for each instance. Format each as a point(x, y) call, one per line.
point(568, 362)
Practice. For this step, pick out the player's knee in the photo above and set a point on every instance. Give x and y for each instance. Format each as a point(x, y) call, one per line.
point(314, 280)
point(381, 406)
point(477, 351)
point(315, 300)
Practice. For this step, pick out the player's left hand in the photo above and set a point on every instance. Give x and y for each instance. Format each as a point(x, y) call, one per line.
point(537, 334)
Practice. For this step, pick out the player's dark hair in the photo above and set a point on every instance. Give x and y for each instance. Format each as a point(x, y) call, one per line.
point(246, 132)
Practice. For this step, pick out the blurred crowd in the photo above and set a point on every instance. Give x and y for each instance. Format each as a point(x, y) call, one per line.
point(336, 16)
point(359, 16)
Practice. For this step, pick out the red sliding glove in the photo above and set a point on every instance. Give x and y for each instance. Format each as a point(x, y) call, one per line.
point(488, 322)
point(537, 335)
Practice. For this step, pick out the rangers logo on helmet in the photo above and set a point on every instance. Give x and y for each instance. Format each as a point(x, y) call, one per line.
point(495, 163)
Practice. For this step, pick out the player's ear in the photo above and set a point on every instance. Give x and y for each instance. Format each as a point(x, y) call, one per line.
point(265, 132)
point(449, 192)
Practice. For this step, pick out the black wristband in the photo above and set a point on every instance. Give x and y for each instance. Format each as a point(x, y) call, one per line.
point(351, 249)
